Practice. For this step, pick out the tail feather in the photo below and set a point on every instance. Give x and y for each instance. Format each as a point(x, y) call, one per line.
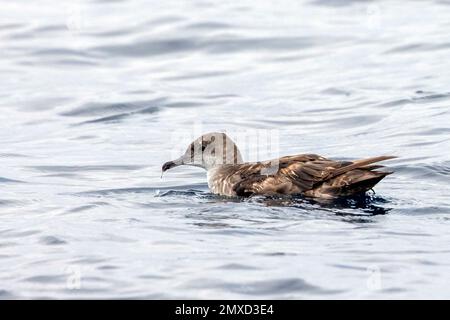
point(363, 185)
point(359, 164)
point(355, 178)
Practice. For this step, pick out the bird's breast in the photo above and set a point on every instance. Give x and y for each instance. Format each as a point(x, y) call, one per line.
point(218, 182)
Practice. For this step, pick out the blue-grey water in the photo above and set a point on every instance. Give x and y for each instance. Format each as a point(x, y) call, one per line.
point(94, 95)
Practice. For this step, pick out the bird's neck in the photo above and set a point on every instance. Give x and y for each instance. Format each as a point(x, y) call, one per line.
point(211, 177)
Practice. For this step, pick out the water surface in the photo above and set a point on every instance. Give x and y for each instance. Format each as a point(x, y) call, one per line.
point(94, 96)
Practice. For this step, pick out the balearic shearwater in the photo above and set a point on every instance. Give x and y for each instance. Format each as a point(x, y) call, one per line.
point(304, 174)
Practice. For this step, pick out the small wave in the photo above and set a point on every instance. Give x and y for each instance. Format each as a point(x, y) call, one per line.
point(113, 109)
point(335, 122)
point(8, 203)
point(425, 143)
point(209, 25)
point(49, 29)
point(87, 168)
point(116, 112)
point(4, 294)
point(199, 75)
point(274, 287)
point(62, 52)
point(155, 190)
point(9, 233)
point(237, 266)
point(435, 171)
point(114, 118)
point(335, 3)
point(51, 241)
point(280, 286)
point(407, 48)
point(217, 45)
point(189, 192)
point(395, 103)
point(417, 47)
point(432, 97)
point(6, 180)
point(13, 155)
point(336, 92)
point(47, 279)
point(87, 207)
point(73, 62)
point(10, 26)
point(121, 116)
point(422, 97)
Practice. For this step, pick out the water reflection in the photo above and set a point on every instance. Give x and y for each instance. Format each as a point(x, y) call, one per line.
point(361, 205)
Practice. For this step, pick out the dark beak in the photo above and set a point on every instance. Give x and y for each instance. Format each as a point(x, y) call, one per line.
point(171, 164)
point(168, 165)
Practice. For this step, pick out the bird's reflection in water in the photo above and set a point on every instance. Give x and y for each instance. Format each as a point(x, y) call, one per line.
point(361, 205)
point(233, 212)
point(368, 204)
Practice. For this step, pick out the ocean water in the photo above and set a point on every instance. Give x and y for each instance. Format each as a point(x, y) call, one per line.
point(96, 95)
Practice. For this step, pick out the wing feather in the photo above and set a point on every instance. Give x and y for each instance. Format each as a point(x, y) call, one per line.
point(294, 174)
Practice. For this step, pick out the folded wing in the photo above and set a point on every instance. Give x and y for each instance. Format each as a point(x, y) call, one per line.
point(308, 174)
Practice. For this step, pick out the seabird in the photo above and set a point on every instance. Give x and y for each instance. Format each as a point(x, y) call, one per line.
point(310, 175)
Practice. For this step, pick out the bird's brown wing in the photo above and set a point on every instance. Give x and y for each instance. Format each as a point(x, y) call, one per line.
point(295, 174)
point(286, 175)
point(309, 170)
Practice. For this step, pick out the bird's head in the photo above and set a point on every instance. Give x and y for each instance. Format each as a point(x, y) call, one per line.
point(209, 150)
